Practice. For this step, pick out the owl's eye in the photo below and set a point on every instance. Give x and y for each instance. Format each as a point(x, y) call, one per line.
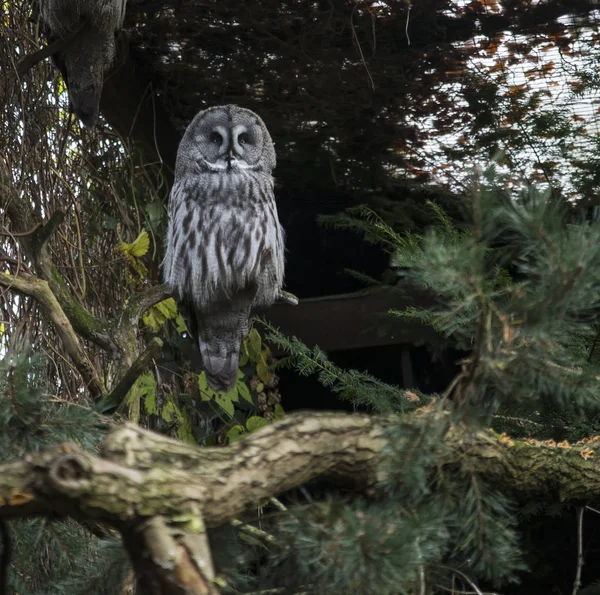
point(216, 138)
point(243, 138)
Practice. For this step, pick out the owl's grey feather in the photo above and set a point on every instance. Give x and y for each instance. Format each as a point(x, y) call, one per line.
point(225, 245)
point(89, 28)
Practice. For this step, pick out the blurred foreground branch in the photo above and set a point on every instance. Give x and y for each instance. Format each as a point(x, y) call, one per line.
point(162, 494)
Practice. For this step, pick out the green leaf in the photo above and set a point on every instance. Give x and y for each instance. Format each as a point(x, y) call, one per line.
point(180, 324)
point(255, 423)
point(203, 382)
point(235, 433)
point(254, 344)
point(278, 411)
point(233, 395)
point(184, 432)
point(148, 388)
point(244, 391)
point(260, 387)
point(151, 320)
point(262, 371)
point(144, 387)
point(155, 211)
point(168, 308)
point(169, 412)
point(140, 245)
point(225, 402)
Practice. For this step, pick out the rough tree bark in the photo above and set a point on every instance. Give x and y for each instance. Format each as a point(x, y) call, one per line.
point(162, 495)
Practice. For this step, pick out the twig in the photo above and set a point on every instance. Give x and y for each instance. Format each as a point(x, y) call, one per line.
point(30, 60)
point(407, 22)
point(25, 64)
point(44, 232)
point(362, 57)
point(580, 561)
point(23, 233)
point(475, 588)
point(254, 532)
point(278, 504)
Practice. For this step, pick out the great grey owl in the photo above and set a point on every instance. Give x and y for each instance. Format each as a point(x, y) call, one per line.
point(225, 245)
point(88, 28)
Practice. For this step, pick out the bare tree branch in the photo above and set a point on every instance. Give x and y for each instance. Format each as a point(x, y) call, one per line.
point(40, 291)
point(142, 301)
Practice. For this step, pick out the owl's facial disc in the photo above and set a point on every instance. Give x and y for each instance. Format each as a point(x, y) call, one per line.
point(242, 150)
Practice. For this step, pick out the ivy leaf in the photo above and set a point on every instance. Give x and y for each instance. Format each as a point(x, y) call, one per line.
point(156, 212)
point(203, 382)
point(255, 423)
point(170, 412)
point(243, 356)
point(233, 395)
point(143, 388)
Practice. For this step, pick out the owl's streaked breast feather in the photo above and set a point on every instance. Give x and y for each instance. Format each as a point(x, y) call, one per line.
point(221, 226)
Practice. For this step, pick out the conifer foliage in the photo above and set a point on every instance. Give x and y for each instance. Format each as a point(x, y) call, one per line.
point(517, 290)
point(52, 555)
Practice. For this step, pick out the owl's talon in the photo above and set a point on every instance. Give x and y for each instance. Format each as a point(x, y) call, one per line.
point(288, 298)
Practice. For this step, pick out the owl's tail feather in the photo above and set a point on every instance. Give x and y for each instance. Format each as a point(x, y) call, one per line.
point(219, 338)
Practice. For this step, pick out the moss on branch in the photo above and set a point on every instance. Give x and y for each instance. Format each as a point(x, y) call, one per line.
point(142, 474)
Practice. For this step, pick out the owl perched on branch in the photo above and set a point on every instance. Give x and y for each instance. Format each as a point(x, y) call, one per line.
point(89, 29)
point(224, 248)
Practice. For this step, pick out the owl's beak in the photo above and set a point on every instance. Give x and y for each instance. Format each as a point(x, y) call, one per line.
point(230, 158)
